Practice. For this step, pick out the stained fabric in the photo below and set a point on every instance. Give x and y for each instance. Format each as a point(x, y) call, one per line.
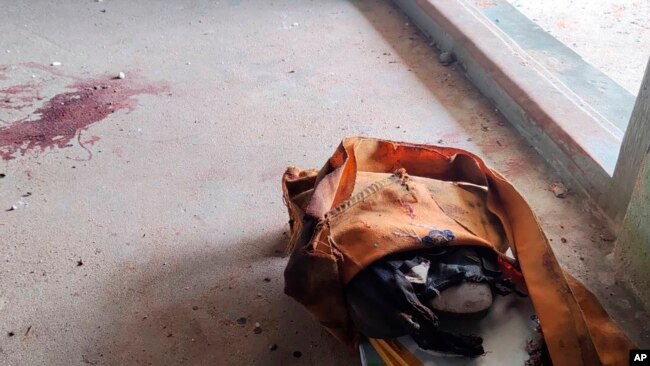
point(374, 198)
point(390, 298)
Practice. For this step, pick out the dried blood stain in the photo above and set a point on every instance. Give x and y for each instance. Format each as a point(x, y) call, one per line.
point(91, 141)
point(63, 118)
point(408, 209)
point(25, 93)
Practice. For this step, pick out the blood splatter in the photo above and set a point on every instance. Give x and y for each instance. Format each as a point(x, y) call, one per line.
point(63, 117)
point(407, 208)
point(91, 141)
point(17, 97)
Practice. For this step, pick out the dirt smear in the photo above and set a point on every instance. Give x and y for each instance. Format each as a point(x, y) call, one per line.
point(64, 117)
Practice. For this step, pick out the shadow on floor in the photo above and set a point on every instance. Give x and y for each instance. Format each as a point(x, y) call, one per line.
point(192, 312)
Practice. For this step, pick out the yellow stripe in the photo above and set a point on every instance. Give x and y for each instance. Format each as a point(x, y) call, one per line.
point(394, 353)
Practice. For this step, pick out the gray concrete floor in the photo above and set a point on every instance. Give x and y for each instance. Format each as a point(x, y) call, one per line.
point(613, 35)
point(173, 202)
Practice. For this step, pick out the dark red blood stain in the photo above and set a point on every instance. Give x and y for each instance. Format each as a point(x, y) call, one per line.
point(408, 209)
point(63, 118)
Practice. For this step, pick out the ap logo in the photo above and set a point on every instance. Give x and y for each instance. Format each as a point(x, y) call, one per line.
point(639, 357)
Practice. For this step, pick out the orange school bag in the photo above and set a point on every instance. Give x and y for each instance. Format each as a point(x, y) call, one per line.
point(350, 213)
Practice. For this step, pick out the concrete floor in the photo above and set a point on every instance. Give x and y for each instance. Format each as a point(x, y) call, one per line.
point(613, 35)
point(172, 204)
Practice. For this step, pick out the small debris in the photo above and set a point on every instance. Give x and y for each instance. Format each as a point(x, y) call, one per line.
point(291, 71)
point(375, 245)
point(582, 258)
point(121, 75)
point(438, 237)
point(558, 189)
point(28, 329)
point(297, 354)
point(440, 141)
point(563, 240)
point(257, 329)
point(11, 334)
point(80, 263)
point(2, 175)
point(273, 347)
point(241, 321)
point(266, 279)
point(485, 128)
point(55, 63)
point(195, 307)
point(295, 24)
point(607, 237)
point(18, 205)
point(87, 360)
point(27, 194)
point(169, 335)
point(447, 58)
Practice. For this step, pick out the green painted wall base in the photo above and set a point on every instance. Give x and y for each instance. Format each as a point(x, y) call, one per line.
point(633, 245)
